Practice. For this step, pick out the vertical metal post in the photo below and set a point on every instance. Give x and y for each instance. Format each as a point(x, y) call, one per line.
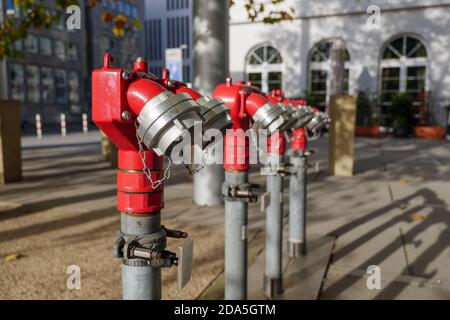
point(3, 73)
point(210, 64)
point(236, 242)
point(273, 282)
point(139, 281)
point(297, 207)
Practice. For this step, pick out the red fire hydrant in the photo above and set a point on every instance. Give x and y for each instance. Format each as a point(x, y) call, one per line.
point(248, 108)
point(146, 117)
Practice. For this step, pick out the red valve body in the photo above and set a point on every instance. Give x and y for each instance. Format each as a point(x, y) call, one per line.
point(112, 98)
point(243, 101)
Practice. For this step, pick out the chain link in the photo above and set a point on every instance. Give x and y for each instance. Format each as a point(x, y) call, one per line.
point(202, 166)
point(155, 184)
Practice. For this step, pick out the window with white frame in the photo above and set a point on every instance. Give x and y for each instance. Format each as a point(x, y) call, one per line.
point(264, 68)
point(403, 68)
point(319, 69)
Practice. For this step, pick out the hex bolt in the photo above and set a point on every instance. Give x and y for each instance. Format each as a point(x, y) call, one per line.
point(140, 59)
point(126, 115)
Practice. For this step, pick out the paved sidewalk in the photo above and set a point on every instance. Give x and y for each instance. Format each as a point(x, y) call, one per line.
point(393, 213)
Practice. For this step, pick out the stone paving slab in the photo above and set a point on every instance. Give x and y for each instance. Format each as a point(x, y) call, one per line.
point(302, 277)
point(64, 213)
point(344, 284)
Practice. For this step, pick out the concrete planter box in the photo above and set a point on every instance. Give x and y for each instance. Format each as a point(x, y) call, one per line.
point(435, 133)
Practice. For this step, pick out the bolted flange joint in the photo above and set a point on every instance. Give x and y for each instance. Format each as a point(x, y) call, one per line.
point(283, 170)
point(147, 250)
point(246, 192)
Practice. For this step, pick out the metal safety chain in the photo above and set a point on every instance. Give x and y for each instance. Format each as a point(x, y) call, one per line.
point(202, 166)
point(155, 184)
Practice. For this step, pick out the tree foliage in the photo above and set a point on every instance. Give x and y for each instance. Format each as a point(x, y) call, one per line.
point(32, 14)
point(257, 9)
point(22, 15)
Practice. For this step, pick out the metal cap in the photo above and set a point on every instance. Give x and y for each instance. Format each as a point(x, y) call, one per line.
point(166, 119)
point(216, 115)
point(271, 117)
point(319, 121)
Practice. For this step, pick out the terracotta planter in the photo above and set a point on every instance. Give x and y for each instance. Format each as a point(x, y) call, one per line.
point(437, 133)
point(370, 132)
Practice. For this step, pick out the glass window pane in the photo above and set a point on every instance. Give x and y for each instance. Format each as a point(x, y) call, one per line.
point(31, 44)
point(398, 45)
point(390, 84)
point(411, 44)
point(421, 52)
point(74, 95)
point(416, 72)
point(275, 81)
point(61, 86)
point(316, 56)
point(391, 73)
point(18, 45)
point(389, 54)
point(415, 85)
point(46, 46)
point(16, 82)
point(33, 88)
point(254, 59)
point(255, 78)
point(60, 50)
point(72, 52)
point(48, 85)
point(275, 76)
point(135, 12)
point(260, 53)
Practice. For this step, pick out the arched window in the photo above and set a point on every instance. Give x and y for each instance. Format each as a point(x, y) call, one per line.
point(319, 68)
point(263, 68)
point(403, 68)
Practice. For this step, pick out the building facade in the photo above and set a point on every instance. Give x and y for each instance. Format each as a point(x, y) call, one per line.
point(406, 48)
point(53, 76)
point(168, 24)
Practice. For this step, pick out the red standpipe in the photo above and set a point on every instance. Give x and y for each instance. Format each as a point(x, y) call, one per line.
point(116, 103)
point(243, 101)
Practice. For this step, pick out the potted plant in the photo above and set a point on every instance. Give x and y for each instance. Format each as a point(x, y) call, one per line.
point(400, 115)
point(427, 127)
point(365, 124)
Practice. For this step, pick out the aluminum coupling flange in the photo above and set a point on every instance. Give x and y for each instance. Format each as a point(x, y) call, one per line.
point(216, 115)
point(291, 114)
point(270, 117)
point(318, 122)
point(304, 115)
point(166, 119)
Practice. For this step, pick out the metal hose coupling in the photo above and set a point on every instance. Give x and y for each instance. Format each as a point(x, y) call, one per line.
point(291, 114)
point(271, 117)
point(216, 116)
point(304, 115)
point(166, 119)
point(319, 121)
